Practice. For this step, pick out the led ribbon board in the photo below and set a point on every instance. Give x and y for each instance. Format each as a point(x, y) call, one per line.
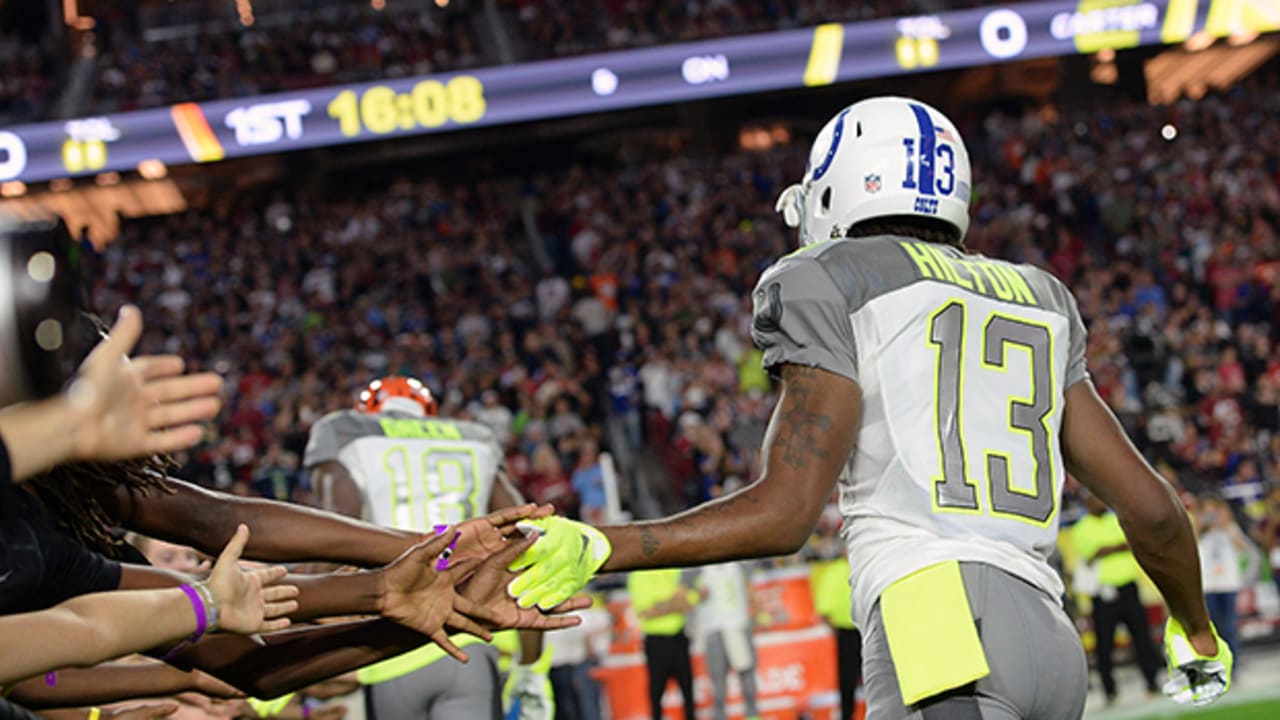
point(215, 130)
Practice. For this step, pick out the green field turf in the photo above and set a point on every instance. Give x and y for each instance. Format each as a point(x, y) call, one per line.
point(1248, 710)
point(1258, 710)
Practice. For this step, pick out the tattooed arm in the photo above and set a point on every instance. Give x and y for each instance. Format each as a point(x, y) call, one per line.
point(809, 440)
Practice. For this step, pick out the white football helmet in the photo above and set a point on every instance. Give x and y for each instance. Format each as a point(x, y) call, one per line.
point(880, 157)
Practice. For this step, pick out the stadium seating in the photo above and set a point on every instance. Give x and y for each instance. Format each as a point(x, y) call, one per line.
point(633, 301)
point(167, 53)
point(336, 44)
point(551, 28)
point(28, 78)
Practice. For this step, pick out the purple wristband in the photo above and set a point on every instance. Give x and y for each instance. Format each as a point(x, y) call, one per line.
point(306, 711)
point(197, 604)
point(442, 563)
point(51, 678)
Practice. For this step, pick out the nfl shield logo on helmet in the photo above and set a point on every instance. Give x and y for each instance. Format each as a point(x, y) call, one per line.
point(872, 183)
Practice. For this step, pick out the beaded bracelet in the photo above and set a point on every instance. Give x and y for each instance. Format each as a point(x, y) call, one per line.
point(206, 610)
point(211, 604)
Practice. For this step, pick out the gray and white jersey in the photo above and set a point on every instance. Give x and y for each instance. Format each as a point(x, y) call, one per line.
point(414, 472)
point(963, 361)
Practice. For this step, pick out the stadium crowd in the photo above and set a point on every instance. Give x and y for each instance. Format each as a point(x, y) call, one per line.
point(449, 293)
point(608, 304)
point(634, 302)
point(629, 304)
point(28, 75)
point(199, 54)
point(326, 46)
point(1175, 262)
point(554, 28)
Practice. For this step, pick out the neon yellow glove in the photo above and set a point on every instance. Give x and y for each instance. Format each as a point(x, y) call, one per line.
point(527, 695)
point(1194, 678)
point(563, 560)
point(270, 708)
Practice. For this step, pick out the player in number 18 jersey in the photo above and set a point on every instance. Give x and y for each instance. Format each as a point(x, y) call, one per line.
point(392, 462)
point(412, 471)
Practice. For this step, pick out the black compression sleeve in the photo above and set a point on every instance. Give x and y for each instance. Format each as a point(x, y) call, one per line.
point(6, 470)
point(9, 711)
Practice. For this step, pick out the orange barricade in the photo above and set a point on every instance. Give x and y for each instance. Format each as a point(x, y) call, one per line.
point(795, 653)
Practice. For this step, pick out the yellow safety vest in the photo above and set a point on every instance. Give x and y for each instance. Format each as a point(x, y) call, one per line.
point(829, 583)
point(650, 587)
point(1090, 534)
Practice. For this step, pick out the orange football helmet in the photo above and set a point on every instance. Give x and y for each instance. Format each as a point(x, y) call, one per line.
point(396, 392)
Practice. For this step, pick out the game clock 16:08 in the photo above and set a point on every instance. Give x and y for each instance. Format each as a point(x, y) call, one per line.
point(427, 105)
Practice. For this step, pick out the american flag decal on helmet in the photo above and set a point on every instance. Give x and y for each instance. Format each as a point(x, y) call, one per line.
point(872, 183)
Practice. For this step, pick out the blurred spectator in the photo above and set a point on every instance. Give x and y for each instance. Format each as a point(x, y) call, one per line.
point(705, 447)
point(565, 421)
point(662, 600)
point(548, 483)
point(277, 475)
point(829, 582)
point(724, 620)
point(1102, 546)
point(569, 28)
point(1268, 535)
point(345, 43)
point(1245, 489)
point(588, 483)
point(660, 383)
point(168, 556)
point(1222, 547)
point(624, 383)
point(575, 651)
point(490, 411)
point(553, 295)
point(30, 75)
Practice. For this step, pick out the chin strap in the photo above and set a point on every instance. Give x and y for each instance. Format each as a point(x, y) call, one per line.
point(791, 204)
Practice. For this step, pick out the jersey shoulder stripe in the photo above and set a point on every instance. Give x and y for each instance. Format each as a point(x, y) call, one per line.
point(335, 431)
point(856, 270)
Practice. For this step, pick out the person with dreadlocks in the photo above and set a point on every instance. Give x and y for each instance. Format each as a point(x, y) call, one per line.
point(68, 518)
point(415, 601)
point(408, 591)
point(113, 409)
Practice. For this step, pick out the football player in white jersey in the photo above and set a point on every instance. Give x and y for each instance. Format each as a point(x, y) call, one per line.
point(392, 462)
point(947, 394)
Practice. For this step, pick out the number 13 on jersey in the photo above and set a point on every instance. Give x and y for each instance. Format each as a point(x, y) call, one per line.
point(1018, 485)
